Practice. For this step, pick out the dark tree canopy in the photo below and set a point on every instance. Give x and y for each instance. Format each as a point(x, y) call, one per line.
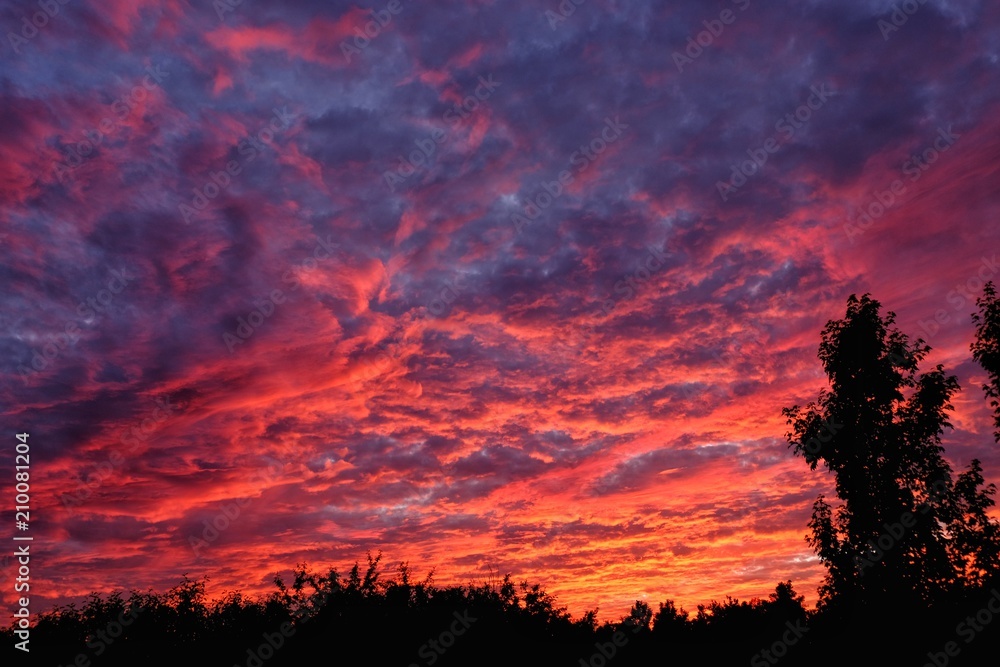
point(986, 348)
point(904, 531)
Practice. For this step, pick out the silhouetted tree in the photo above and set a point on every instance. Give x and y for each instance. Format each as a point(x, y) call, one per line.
point(784, 604)
point(639, 618)
point(904, 532)
point(986, 348)
point(975, 536)
point(670, 623)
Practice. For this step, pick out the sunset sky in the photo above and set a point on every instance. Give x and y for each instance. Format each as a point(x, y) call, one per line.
point(492, 286)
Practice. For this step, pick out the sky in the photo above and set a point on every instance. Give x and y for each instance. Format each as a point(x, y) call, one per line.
point(495, 286)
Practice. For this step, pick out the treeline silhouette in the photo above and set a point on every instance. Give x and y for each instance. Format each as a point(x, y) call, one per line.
point(395, 621)
point(911, 552)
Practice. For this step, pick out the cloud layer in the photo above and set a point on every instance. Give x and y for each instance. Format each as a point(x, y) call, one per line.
point(489, 285)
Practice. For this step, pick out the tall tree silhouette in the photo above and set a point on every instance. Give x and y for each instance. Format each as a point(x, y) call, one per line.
point(975, 531)
point(986, 348)
point(878, 430)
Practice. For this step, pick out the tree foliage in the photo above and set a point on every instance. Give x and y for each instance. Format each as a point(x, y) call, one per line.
point(904, 532)
point(986, 348)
